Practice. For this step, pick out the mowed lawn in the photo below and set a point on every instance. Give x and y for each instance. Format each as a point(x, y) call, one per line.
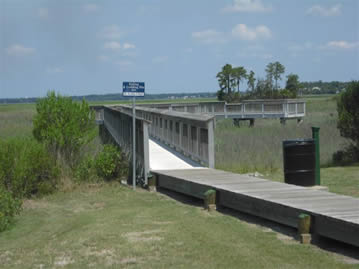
point(111, 226)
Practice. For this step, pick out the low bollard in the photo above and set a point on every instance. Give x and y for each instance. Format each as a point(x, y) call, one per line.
point(210, 200)
point(152, 182)
point(304, 223)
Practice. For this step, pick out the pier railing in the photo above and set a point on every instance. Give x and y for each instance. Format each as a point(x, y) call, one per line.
point(189, 134)
point(250, 109)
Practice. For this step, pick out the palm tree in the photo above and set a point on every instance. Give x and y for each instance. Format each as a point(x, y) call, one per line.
point(251, 81)
point(225, 79)
point(239, 73)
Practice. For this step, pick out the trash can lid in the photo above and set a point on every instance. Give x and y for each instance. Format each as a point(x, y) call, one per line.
point(299, 141)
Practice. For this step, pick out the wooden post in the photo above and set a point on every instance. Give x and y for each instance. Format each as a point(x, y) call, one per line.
point(210, 200)
point(152, 182)
point(304, 225)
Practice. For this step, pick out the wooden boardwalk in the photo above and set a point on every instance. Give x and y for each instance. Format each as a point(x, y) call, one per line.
point(334, 216)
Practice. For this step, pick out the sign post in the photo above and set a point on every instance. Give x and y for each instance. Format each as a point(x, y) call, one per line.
point(133, 89)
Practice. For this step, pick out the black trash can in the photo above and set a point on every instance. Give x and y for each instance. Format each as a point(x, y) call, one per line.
point(299, 162)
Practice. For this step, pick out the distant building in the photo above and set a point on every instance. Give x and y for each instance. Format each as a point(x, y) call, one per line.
point(316, 89)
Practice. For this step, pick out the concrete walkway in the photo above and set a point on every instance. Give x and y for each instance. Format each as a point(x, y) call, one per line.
point(163, 157)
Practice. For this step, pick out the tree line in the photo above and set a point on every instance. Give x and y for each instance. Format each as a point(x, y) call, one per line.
point(230, 78)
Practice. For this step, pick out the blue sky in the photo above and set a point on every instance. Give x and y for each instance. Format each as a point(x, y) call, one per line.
point(91, 47)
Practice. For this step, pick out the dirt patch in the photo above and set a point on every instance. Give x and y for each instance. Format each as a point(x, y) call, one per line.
point(162, 222)
point(34, 204)
point(129, 261)
point(63, 261)
point(5, 257)
point(150, 235)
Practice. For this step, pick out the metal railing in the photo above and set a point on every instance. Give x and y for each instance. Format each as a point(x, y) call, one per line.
point(119, 124)
point(189, 134)
point(278, 108)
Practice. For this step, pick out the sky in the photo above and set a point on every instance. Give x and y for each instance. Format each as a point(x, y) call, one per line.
point(90, 47)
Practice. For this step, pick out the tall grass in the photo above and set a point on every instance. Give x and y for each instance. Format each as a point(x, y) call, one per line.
point(16, 120)
point(244, 149)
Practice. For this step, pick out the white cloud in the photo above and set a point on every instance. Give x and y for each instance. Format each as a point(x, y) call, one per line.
point(19, 50)
point(103, 58)
point(89, 8)
point(160, 59)
point(209, 36)
point(111, 32)
point(244, 32)
point(112, 45)
point(54, 70)
point(128, 46)
point(300, 47)
point(259, 55)
point(247, 6)
point(345, 45)
point(117, 46)
point(125, 65)
point(43, 13)
point(325, 11)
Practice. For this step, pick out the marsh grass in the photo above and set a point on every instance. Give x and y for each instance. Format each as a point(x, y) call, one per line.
point(244, 149)
point(16, 120)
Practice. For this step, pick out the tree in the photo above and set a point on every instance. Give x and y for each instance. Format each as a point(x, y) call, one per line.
point(226, 80)
point(251, 81)
point(278, 70)
point(238, 74)
point(293, 84)
point(63, 125)
point(348, 113)
point(270, 74)
point(262, 89)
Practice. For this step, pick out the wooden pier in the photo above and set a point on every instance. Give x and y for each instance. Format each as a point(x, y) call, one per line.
point(333, 216)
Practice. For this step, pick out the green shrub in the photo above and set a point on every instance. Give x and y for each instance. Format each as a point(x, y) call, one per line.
point(85, 170)
point(348, 113)
point(9, 207)
point(110, 163)
point(26, 168)
point(64, 125)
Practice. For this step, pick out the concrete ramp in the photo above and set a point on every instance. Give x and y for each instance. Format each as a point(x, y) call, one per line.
point(163, 157)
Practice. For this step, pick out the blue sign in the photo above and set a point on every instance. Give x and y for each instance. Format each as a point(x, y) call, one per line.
point(133, 89)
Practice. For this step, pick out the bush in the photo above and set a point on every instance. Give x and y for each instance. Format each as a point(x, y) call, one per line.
point(85, 170)
point(63, 125)
point(348, 113)
point(110, 163)
point(9, 207)
point(26, 168)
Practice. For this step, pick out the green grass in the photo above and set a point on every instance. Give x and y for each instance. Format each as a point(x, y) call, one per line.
point(111, 226)
point(260, 148)
point(16, 120)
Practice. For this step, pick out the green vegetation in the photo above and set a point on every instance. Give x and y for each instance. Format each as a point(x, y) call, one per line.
point(63, 125)
point(348, 120)
point(320, 87)
point(25, 170)
point(260, 148)
point(230, 77)
point(16, 120)
point(112, 226)
point(108, 164)
point(9, 207)
point(109, 225)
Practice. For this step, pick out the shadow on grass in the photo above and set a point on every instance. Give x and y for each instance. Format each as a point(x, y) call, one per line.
point(346, 252)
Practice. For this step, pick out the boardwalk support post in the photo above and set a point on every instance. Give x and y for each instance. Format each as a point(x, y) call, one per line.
point(210, 200)
point(304, 224)
point(152, 182)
